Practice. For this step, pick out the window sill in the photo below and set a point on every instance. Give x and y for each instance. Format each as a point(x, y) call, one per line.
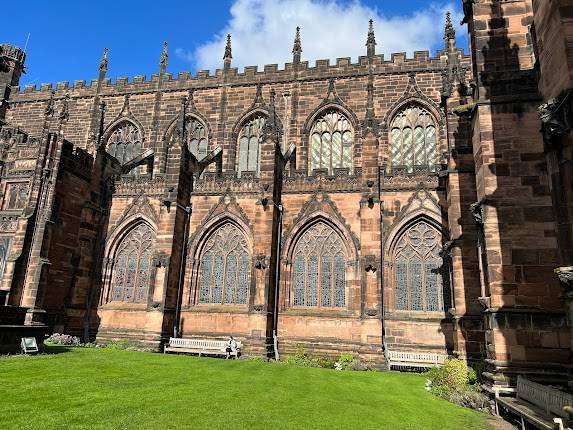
point(217, 309)
point(417, 316)
point(124, 306)
point(321, 312)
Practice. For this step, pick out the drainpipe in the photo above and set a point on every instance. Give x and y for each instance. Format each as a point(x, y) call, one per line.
point(176, 331)
point(277, 268)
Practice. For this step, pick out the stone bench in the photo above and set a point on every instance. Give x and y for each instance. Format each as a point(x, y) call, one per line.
point(199, 346)
point(416, 359)
point(537, 405)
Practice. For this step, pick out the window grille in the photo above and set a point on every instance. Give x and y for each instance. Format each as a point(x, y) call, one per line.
point(421, 276)
point(125, 144)
point(132, 266)
point(319, 268)
point(331, 142)
point(225, 268)
point(249, 144)
point(413, 138)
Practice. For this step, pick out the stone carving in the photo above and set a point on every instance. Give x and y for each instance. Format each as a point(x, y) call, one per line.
point(261, 261)
point(371, 312)
point(370, 263)
point(478, 212)
point(555, 116)
point(161, 259)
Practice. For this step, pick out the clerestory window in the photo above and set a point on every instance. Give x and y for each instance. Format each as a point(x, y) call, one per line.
point(331, 141)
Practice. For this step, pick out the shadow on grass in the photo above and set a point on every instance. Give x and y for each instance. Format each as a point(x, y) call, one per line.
point(56, 349)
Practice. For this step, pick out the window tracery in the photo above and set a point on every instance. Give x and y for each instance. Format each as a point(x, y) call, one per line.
point(225, 268)
point(319, 266)
point(132, 266)
point(249, 137)
point(196, 137)
point(16, 195)
point(331, 141)
point(4, 252)
point(413, 139)
point(420, 274)
point(125, 143)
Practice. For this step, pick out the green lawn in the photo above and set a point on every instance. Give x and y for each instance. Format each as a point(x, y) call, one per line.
point(82, 388)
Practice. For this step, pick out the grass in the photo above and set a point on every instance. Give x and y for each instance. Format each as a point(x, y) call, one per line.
point(80, 388)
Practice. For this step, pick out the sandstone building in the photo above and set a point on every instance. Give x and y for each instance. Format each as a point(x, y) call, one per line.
point(407, 204)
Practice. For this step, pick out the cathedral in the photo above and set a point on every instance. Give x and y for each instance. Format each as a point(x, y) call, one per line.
point(412, 203)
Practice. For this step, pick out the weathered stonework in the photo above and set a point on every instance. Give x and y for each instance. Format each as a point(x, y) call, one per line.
point(111, 246)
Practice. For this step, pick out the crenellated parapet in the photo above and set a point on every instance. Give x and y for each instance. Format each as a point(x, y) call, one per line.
point(12, 52)
point(399, 63)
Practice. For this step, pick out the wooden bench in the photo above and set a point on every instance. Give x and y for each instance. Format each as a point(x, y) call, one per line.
point(538, 405)
point(399, 359)
point(199, 346)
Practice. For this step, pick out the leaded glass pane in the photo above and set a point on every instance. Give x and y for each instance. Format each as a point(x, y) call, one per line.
point(205, 280)
point(299, 281)
point(132, 264)
point(331, 142)
point(319, 268)
point(407, 148)
point(413, 139)
point(243, 287)
point(315, 151)
point(401, 270)
point(249, 137)
point(432, 295)
point(418, 270)
point(231, 279)
point(196, 137)
point(125, 143)
point(218, 270)
point(225, 266)
point(326, 282)
point(4, 250)
point(312, 279)
point(339, 284)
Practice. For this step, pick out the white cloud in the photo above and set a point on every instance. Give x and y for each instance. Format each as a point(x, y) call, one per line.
point(263, 31)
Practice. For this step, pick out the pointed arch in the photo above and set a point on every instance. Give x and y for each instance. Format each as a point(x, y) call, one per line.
point(419, 273)
point(124, 141)
point(319, 256)
point(414, 136)
point(198, 134)
point(131, 264)
point(124, 119)
point(224, 256)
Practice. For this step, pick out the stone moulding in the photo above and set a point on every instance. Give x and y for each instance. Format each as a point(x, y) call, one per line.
point(129, 187)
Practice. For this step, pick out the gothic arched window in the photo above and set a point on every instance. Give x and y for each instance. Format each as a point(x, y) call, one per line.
point(224, 273)
point(331, 142)
point(132, 266)
point(413, 139)
point(319, 268)
point(421, 276)
point(125, 143)
point(196, 138)
point(249, 137)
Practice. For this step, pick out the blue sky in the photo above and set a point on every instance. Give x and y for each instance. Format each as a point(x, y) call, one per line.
point(67, 38)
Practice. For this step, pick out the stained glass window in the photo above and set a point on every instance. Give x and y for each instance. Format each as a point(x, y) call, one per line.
point(420, 273)
point(413, 138)
point(225, 267)
point(132, 266)
point(331, 142)
point(319, 268)
point(195, 136)
point(124, 143)
point(249, 144)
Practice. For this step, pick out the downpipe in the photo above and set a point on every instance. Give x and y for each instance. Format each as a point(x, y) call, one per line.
point(176, 331)
point(277, 272)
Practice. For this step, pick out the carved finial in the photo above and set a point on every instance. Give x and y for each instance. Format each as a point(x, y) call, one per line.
point(191, 100)
point(228, 53)
point(103, 61)
point(371, 40)
point(271, 129)
point(259, 96)
point(125, 109)
point(297, 47)
point(370, 121)
point(101, 122)
point(449, 33)
point(331, 96)
point(163, 59)
point(49, 111)
point(64, 114)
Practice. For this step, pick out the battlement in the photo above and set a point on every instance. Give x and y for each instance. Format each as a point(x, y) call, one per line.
point(322, 69)
point(12, 52)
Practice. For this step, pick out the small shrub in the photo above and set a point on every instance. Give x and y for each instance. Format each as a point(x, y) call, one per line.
point(300, 358)
point(63, 339)
point(457, 383)
point(124, 345)
point(323, 362)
